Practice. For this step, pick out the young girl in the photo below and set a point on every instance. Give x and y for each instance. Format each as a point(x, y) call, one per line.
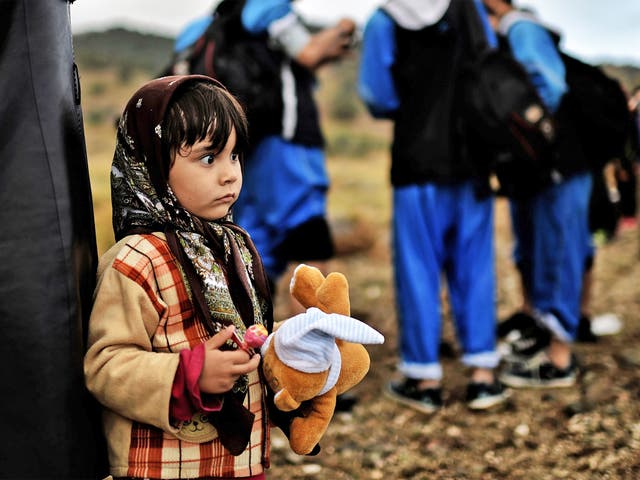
point(181, 400)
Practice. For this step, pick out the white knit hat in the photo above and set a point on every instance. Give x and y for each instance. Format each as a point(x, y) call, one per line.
point(306, 342)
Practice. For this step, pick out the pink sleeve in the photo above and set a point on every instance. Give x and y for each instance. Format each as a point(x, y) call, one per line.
point(186, 397)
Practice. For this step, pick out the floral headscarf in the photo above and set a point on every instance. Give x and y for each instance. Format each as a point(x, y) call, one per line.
point(217, 257)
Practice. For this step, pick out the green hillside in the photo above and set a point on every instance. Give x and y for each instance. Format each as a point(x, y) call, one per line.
point(124, 49)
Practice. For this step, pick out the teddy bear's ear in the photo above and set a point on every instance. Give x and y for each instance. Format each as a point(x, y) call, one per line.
point(304, 283)
point(333, 295)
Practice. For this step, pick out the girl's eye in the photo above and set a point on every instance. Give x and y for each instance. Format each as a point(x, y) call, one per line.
point(207, 159)
point(235, 157)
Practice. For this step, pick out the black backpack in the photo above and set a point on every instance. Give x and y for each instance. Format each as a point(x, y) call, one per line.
point(242, 62)
point(598, 108)
point(509, 130)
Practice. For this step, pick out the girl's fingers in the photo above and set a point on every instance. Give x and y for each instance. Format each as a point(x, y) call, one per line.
point(220, 338)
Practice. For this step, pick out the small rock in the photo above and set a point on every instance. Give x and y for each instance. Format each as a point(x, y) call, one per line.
point(454, 431)
point(311, 468)
point(522, 430)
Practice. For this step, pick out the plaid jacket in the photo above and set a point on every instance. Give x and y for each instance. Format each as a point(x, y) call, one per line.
point(142, 305)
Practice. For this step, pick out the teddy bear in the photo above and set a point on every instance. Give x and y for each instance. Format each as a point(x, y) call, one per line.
point(317, 355)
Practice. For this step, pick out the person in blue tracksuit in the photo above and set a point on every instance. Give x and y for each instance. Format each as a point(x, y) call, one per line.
point(551, 228)
point(412, 55)
point(283, 205)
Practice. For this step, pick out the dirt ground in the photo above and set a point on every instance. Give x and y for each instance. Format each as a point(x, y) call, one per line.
point(591, 431)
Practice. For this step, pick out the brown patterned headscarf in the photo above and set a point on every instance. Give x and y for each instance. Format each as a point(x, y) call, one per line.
point(218, 257)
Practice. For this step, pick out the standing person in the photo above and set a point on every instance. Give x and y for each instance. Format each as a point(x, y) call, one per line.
point(180, 401)
point(634, 108)
point(551, 228)
point(283, 205)
point(442, 211)
point(627, 170)
point(50, 423)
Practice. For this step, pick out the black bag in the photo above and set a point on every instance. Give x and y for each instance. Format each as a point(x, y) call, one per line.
point(604, 207)
point(599, 111)
point(510, 131)
point(241, 62)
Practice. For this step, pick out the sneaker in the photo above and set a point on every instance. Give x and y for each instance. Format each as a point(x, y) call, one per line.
point(518, 320)
point(606, 324)
point(519, 345)
point(345, 402)
point(428, 400)
point(589, 329)
point(521, 337)
point(585, 333)
point(481, 396)
point(539, 372)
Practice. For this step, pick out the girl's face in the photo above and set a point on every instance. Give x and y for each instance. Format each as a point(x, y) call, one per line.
point(205, 184)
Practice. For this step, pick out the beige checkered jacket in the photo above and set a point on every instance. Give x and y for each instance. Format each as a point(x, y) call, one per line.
point(142, 317)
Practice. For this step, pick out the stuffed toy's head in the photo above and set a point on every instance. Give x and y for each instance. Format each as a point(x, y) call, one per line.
point(317, 355)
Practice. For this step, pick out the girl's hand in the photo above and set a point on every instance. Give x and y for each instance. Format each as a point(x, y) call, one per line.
point(222, 368)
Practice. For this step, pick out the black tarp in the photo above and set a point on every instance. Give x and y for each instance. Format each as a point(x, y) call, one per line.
point(48, 421)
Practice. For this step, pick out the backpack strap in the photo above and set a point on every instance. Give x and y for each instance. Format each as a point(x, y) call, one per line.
point(481, 39)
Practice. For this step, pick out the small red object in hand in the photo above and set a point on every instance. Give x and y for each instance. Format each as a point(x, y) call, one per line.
point(256, 335)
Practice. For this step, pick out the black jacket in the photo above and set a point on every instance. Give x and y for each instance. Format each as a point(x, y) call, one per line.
point(428, 131)
point(49, 422)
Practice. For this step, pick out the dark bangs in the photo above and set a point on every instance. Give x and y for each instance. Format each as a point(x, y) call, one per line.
point(201, 110)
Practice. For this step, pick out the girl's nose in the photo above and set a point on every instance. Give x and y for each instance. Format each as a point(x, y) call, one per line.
point(229, 173)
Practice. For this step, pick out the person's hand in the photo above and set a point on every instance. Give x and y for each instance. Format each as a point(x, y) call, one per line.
point(328, 44)
point(222, 368)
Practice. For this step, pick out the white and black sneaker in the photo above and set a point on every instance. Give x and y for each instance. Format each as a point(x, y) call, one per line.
point(406, 392)
point(521, 337)
point(539, 372)
point(482, 396)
